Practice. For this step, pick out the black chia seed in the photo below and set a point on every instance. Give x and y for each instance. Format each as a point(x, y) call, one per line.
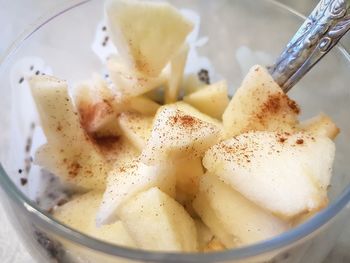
point(28, 144)
point(203, 75)
point(24, 181)
point(53, 248)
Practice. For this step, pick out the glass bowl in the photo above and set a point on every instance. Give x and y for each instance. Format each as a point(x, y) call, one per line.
point(240, 33)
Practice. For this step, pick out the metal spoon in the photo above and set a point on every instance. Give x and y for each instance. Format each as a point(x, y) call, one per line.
point(320, 32)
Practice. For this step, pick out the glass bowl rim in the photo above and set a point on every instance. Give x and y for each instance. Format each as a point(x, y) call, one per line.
point(46, 220)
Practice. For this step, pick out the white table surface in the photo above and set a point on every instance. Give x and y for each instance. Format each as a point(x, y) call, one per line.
point(15, 15)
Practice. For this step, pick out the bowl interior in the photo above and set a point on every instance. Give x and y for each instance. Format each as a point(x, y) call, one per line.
point(243, 34)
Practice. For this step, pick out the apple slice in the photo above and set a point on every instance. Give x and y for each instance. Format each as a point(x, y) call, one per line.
point(211, 100)
point(136, 128)
point(208, 216)
point(79, 214)
point(125, 182)
point(69, 152)
point(321, 125)
point(118, 151)
point(176, 135)
point(82, 167)
point(190, 110)
point(191, 83)
point(287, 174)
point(177, 66)
point(130, 82)
point(146, 34)
point(241, 221)
point(188, 171)
point(93, 101)
point(141, 104)
point(58, 116)
point(204, 235)
point(157, 222)
point(259, 105)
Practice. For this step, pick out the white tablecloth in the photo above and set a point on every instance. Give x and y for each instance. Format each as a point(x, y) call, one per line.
point(14, 17)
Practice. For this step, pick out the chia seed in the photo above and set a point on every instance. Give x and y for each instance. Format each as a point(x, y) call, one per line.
point(53, 248)
point(24, 181)
point(203, 75)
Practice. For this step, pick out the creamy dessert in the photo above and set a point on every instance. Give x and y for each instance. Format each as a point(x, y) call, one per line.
point(162, 166)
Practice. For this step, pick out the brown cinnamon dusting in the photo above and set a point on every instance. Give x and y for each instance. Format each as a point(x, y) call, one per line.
point(293, 105)
point(300, 141)
point(275, 104)
point(73, 169)
point(107, 143)
point(24, 181)
point(59, 127)
point(184, 120)
point(282, 139)
point(90, 114)
point(141, 63)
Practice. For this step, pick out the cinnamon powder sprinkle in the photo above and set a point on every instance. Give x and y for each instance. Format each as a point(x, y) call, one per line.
point(293, 106)
point(74, 169)
point(184, 120)
point(107, 142)
point(24, 181)
point(282, 139)
point(273, 104)
point(91, 113)
point(300, 141)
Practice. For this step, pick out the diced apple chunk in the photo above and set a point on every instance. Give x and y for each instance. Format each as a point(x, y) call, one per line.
point(241, 221)
point(190, 110)
point(191, 83)
point(80, 213)
point(157, 222)
point(136, 127)
point(141, 105)
point(69, 152)
point(211, 100)
point(176, 135)
point(77, 166)
point(146, 34)
point(127, 181)
point(259, 105)
point(321, 125)
point(216, 226)
point(118, 151)
point(98, 106)
point(130, 82)
point(93, 101)
point(287, 174)
point(59, 119)
point(188, 172)
point(204, 235)
point(177, 66)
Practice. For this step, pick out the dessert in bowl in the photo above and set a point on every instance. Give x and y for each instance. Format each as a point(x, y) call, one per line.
point(172, 143)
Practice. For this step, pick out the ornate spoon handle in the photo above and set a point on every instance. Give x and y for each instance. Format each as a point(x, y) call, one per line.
point(320, 32)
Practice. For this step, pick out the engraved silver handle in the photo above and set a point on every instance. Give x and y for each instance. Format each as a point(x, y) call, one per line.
point(320, 32)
